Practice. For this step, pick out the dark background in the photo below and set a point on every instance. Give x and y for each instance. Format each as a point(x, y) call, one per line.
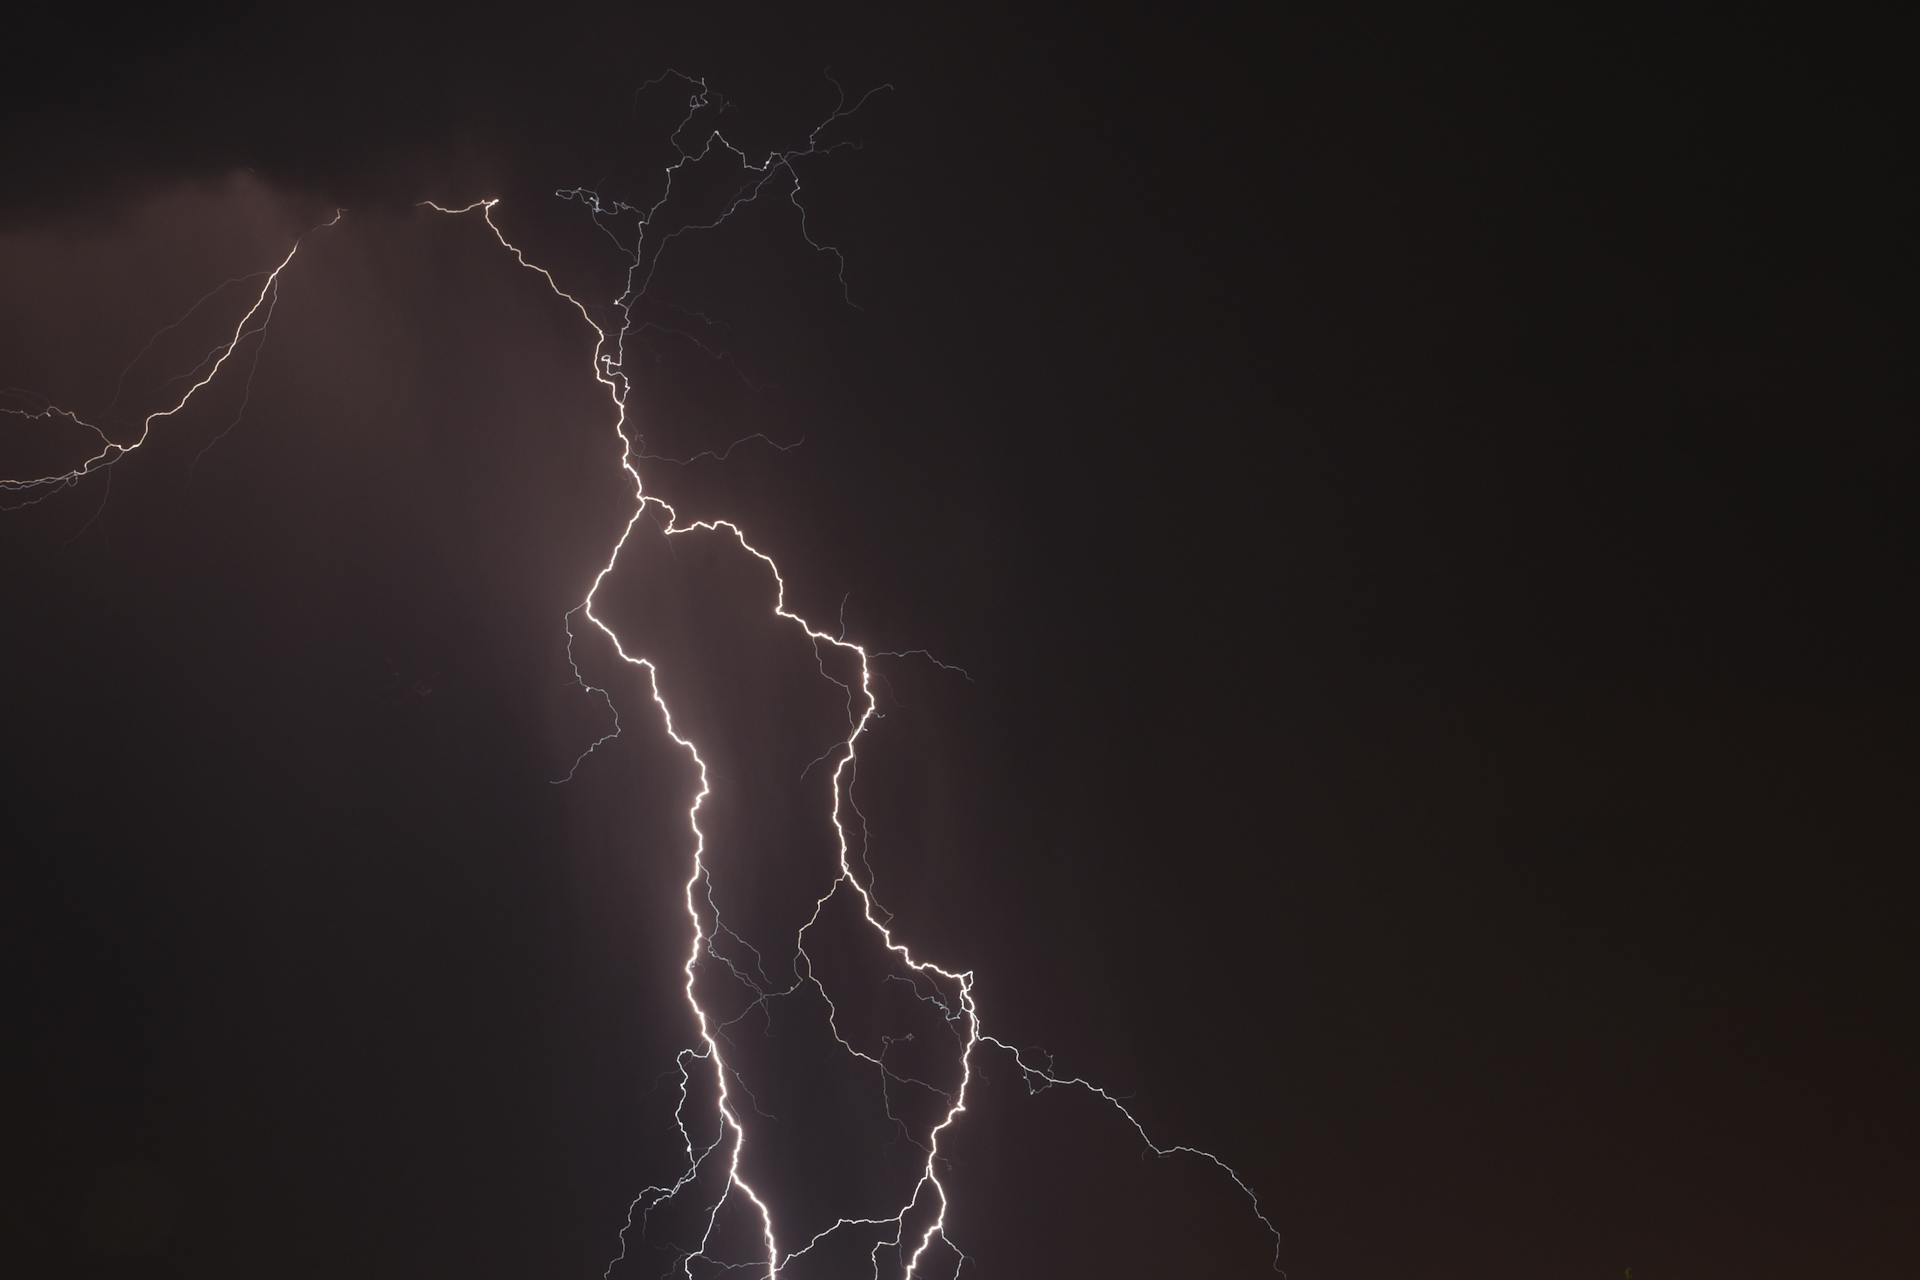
point(1419, 498)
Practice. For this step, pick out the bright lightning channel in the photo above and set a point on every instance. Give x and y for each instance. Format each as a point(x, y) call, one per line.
point(950, 991)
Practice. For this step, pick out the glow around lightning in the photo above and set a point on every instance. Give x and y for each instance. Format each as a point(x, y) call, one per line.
point(950, 991)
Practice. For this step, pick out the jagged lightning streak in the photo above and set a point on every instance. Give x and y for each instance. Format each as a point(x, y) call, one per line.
point(948, 990)
point(111, 450)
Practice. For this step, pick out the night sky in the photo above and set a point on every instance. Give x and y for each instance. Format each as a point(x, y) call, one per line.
point(1419, 499)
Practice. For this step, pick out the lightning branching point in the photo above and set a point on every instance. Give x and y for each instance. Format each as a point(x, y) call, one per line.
point(120, 384)
point(916, 1231)
point(246, 391)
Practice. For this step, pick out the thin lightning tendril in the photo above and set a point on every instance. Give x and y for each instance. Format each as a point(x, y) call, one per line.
point(951, 992)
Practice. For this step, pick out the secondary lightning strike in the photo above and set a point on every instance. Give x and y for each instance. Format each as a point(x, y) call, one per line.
point(111, 451)
point(949, 990)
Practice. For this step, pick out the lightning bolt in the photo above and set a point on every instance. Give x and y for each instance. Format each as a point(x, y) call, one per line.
point(253, 322)
point(916, 1230)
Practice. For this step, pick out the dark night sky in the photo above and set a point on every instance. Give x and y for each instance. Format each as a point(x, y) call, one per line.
point(1420, 499)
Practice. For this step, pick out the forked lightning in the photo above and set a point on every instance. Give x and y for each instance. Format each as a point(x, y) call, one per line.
point(916, 1232)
